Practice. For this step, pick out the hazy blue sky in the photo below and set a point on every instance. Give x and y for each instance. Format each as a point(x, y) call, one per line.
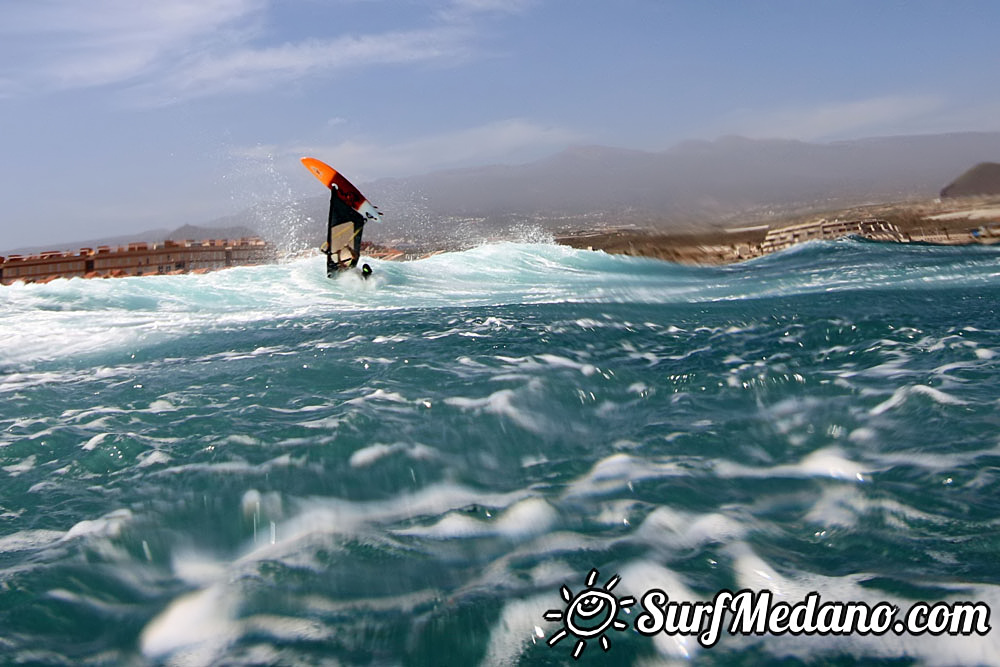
point(122, 115)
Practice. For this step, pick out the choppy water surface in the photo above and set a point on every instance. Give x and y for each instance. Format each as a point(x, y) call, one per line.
point(263, 466)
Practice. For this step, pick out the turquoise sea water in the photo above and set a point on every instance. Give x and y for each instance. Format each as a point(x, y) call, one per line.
point(262, 466)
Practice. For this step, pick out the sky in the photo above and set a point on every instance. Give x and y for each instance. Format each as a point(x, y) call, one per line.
point(119, 116)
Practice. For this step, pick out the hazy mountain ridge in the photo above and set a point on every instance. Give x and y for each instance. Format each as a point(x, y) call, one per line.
point(726, 182)
point(982, 179)
point(699, 181)
point(706, 184)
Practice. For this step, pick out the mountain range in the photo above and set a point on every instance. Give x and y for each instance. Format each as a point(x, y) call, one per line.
point(730, 181)
point(705, 185)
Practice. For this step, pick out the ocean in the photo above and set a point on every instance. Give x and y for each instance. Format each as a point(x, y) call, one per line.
point(264, 466)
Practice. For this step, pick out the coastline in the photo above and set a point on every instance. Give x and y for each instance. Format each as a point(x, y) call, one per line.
point(966, 221)
point(136, 259)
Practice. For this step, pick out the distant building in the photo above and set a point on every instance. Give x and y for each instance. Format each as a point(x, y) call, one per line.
point(136, 259)
point(871, 228)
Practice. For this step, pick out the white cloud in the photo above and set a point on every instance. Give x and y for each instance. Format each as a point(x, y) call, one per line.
point(839, 119)
point(248, 69)
point(457, 8)
point(958, 117)
point(489, 5)
point(180, 49)
point(502, 141)
point(505, 141)
point(63, 44)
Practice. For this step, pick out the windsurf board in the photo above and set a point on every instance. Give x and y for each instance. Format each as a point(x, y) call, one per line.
point(348, 194)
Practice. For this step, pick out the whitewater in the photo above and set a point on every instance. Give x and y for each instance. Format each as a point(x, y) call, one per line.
point(264, 466)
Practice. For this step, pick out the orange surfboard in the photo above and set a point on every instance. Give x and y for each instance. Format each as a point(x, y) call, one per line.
point(348, 194)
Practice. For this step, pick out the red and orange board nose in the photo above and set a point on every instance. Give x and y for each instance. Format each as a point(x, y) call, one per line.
point(329, 177)
point(324, 172)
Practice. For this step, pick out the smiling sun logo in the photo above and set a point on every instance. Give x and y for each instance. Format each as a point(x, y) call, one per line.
point(589, 614)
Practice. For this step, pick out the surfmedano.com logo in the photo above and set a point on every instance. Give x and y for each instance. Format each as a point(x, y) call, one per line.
point(589, 614)
point(593, 611)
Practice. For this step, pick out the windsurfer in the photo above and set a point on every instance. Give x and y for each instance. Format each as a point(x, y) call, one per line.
point(343, 236)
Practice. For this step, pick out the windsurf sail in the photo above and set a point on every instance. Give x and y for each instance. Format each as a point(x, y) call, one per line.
point(343, 235)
